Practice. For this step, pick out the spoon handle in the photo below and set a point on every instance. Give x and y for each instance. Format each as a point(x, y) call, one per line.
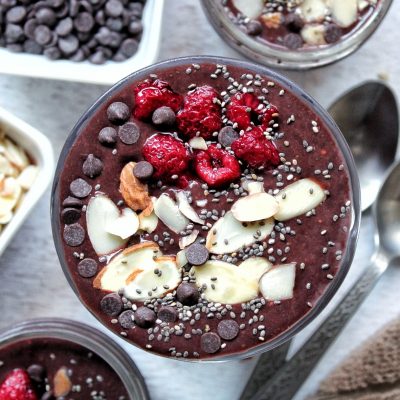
point(284, 384)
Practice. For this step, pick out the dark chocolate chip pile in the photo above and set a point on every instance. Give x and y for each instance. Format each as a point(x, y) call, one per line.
point(79, 30)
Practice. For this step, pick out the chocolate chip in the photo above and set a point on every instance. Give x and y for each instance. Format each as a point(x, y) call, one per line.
point(16, 15)
point(164, 116)
point(72, 202)
point(187, 294)
point(115, 24)
point(254, 28)
point(129, 47)
point(144, 317)
point(126, 319)
point(332, 33)
point(227, 136)
point(78, 56)
point(43, 35)
point(118, 112)
point(80, 188)
point(36, 372)
point(70, 215)
point(108, 136)
point(114, 8)
point(294, 22)
point(53, 53)
point(31, 47)
point(87, 268)
point(92, 166)
point(97, 58)
point(29, 28)
point(143, 170)
point(13, 33)
point(46, 16)
point(210, 342)
point(74, 235)
point(228, 329)
point(135, 27)
point(111, 304)
point(64, 27)
point(68, 45)
point(292, 41)
point(197, 254)
point(129, 133)
point(167, 314)
point(14, 47)
point(84, 22)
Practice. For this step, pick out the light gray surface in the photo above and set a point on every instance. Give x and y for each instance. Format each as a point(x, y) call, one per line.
point(32, 284)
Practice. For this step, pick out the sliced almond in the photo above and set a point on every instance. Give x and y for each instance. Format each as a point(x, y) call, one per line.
point(314, 10)
point(155, 282)
point(278, 283)
point(186, 209)
point(272, 20)
point(6, 168)
point(27, 177)
point(255, 267)
point(148, 223)
point(114, 276)
point(229, 235)
point(255, 207)
point(101, 211)
point(62, 384)
point(6, 218)
point(186, 241)
point(344, 12)
point(134, 192)
point(125, 225)
point(253, 186)
point(298, 198)
point(249, 8)
point(15, 154)
point(198, 143)
point(181, 259)
point(168, 212)
point(314, 35)
point(9, 195)
point(231, 285)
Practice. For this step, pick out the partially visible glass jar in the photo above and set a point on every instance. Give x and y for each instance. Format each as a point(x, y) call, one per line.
point(277, 56)
point(87, 337)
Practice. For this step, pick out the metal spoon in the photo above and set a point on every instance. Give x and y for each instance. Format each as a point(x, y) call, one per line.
point(386, 210)
point(368, 117)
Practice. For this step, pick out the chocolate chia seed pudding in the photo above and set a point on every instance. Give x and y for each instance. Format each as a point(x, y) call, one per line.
point(48, 368)
point(205, 208)
point(300, 24)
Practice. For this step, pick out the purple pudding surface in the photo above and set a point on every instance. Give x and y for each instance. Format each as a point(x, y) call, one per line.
point(190, 325)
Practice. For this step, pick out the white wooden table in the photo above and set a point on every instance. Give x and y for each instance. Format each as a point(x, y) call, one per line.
point(31, 280)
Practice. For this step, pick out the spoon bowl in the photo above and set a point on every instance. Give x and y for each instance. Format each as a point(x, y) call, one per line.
point(387, 215)
point(368, 117)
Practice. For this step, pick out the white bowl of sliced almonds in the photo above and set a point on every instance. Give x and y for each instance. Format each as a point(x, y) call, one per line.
point(26, 167)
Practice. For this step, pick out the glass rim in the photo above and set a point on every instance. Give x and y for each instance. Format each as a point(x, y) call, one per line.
point(305, 98)
point(294, 60)
point(86, 336)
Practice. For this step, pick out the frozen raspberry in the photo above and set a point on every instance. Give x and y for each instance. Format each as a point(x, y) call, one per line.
point(200, 114)
point(216, 166)
point(254, 148)
point(151, 95)
point(245, 109)
point(17, 386)
point(167, 155)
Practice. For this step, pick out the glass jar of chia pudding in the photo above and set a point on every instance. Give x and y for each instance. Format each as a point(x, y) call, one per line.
point(298, 34)
point(54, 358)
point(205, 209)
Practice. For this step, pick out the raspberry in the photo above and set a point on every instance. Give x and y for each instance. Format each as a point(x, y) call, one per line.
point(167, 155)
point(17, 386)
point(245, 109)
point(200, 114)
point(216, 166)
point(254, 148)
point(151, 95)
